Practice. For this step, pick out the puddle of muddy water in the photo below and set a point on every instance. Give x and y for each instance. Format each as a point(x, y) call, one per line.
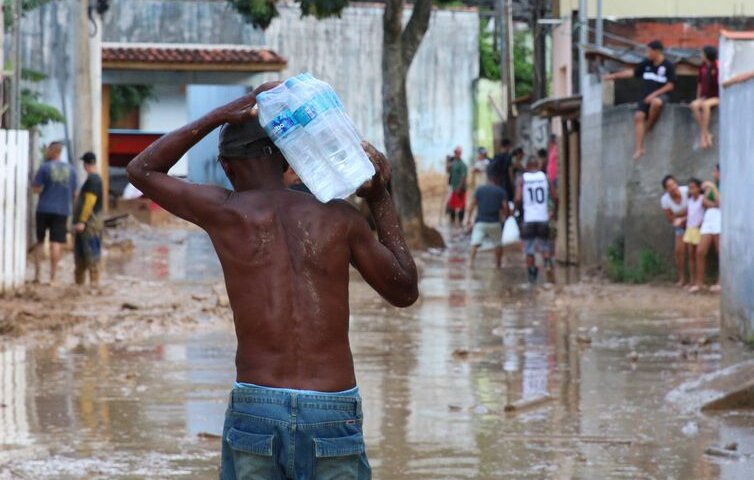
point(435, 380)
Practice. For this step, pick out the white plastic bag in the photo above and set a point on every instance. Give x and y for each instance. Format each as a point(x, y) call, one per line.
point(511, 233)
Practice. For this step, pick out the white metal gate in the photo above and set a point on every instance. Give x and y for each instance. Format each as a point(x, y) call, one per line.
point(14, 190)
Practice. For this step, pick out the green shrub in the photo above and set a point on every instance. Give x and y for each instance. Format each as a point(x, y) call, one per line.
point(649, 266)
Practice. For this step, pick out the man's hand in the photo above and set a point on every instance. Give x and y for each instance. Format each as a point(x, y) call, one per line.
point(79, 227)
point(608, 77)
point(375, 187)
point(648, 99)
point(242, 108)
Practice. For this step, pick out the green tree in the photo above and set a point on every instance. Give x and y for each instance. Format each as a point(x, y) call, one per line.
point(125, 98)
point(33, 112)
point(523, 64)
point(523, 60)
point(399, 47)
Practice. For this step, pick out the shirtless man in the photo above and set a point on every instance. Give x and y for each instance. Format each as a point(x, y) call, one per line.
point(295, 410)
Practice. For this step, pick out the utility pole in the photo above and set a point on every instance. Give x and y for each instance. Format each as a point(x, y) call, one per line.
point(501, 21)
point(538, 11)
point(503, 18)
point(14, 118)
point(598, 30)
point(87, 83)
point(583, 39)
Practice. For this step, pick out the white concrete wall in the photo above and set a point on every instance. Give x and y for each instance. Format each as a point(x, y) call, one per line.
point(345, 52)
point(736, 187)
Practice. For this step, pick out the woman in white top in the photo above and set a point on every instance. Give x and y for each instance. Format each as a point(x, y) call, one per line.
point(674, 203)
point(710, 230)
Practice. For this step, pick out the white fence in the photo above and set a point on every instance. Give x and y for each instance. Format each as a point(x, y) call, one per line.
point(14, 193)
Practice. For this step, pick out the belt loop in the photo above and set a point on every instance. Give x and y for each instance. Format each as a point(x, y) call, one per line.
point(231, 400)
point(359, 413)
point(294, 402)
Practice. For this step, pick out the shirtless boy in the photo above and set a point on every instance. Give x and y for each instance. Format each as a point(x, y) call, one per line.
point(295, 411)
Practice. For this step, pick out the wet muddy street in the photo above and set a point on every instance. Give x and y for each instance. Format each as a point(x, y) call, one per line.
point(586, 385)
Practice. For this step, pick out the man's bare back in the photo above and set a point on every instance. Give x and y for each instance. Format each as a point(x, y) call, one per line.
point(285, 255)
point(286, 258)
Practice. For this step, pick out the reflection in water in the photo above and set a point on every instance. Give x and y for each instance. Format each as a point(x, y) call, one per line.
point(14, 421)
point(136, 410)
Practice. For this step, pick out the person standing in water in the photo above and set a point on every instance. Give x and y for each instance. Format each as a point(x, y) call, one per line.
point(295, 410)
point(533, 193)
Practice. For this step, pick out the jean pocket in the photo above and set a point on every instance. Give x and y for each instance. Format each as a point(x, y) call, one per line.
point(340, 458)
point(252, 454)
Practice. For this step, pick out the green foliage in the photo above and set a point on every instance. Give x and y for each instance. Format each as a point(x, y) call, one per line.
point(322, 8)
point(489, 56)
point(649, 265)
point(124, 99)
point(33, 112)
point(523, 60)
point(523, 64)
point(26, 5)
point(259, 13)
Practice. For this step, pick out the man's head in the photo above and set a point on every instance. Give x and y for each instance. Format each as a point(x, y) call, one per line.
point(532, 163)
point(518, 153)
point(54, 149)
point(695, 187)
point(481, 153)
point(669, 184)
point(506, 144)
point(542, 154)
point(654, 50)
point(245, 149)
point(458, 151)
point(710, 54)
point(89, 159)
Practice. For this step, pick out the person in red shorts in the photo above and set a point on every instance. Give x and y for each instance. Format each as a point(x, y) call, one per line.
point(458, 173)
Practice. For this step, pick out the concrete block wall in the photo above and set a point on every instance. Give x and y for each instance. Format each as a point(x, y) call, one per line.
point(620, 197)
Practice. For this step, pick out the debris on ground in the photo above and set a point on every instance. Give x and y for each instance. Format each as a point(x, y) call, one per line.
point(721, 452)
point(527, 404)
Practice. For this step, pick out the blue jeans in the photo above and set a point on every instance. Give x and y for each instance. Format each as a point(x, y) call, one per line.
point(278, 433)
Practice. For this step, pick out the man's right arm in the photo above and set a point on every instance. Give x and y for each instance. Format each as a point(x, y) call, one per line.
point(39, 180)
point(387, 264)
point(623, 74)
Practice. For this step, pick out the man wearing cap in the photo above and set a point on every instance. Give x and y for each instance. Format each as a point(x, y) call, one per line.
point(55, 182)
point(658, 77)
point(88, 224)
point(295, 409)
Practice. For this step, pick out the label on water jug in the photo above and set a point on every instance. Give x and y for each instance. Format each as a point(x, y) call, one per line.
point(309, 111)
point(280, 126)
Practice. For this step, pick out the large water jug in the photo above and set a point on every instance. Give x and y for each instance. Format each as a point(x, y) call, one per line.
point(303, 155)
point(319, 110)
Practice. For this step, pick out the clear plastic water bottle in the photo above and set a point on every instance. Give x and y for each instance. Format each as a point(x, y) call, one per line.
point(319, 113)
point(278, 121)
point(324, 89)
